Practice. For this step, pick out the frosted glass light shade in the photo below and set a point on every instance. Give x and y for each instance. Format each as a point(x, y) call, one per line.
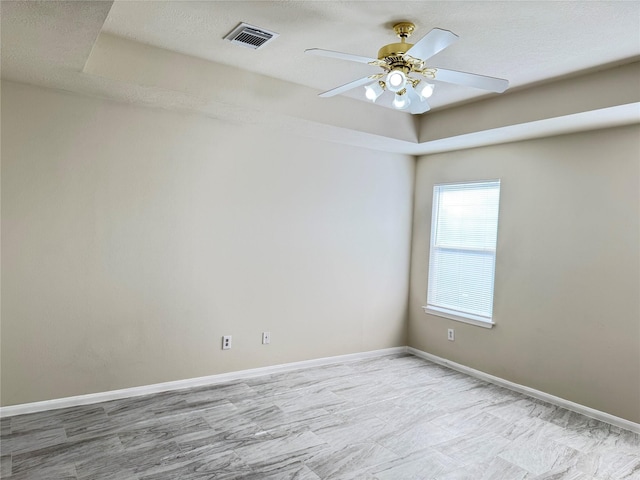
point(373, 91)
point(424, 89)
point(396, 80)
point(401, 101)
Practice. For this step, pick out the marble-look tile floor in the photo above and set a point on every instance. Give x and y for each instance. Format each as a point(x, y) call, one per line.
point(397, 417)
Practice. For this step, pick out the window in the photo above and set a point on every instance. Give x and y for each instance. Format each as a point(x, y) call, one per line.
point(464, 229)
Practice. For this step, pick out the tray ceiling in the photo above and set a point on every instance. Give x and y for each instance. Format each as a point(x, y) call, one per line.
point(184, 63)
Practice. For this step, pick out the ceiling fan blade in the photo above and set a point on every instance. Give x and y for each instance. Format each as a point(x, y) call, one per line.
point(433, 42)
point(342, 56)
point(349, 86)
point(418, 105)
point(492, 84)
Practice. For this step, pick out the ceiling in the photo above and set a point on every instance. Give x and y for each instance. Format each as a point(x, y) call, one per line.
point(524, 42)
point(76, 46)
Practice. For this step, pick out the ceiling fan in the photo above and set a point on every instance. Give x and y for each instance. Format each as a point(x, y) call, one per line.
point(406, 73)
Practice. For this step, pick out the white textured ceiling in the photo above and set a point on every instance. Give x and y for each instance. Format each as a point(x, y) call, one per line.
point(50, 43)
point(524, 42)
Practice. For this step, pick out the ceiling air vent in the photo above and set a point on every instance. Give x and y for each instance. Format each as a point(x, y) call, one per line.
point(249, 36)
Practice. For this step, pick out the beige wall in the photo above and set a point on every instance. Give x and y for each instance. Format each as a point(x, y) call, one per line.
point(133, 239)
point(567, 292)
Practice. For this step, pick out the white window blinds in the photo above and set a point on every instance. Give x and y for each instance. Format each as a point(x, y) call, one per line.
point(464, 230)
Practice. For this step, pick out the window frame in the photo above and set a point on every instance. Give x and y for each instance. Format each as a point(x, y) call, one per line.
point(441, 311)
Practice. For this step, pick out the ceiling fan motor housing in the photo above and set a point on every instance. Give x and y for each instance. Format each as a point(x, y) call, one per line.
point(393, 53)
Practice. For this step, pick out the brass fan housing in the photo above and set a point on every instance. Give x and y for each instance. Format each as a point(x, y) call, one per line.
point(403, 30)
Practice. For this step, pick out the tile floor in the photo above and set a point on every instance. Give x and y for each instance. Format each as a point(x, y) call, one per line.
point(396, 417)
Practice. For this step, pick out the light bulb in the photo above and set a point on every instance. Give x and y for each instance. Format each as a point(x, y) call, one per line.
point(424, 89)
point(401, 100)
point(374, 90)
point(396, 80)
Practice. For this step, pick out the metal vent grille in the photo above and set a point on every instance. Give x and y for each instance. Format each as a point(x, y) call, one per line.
point(250, 36)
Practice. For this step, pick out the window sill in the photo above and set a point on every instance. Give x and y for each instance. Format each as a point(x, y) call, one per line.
point(458, 318)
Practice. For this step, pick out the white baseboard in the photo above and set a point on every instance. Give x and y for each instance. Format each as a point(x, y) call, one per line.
point(560, 402)
point(90, 398)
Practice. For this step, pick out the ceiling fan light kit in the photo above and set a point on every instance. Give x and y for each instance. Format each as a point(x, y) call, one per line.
point(396, 80)
point(374, 90)
point(401, 100)
point(424, 89)
point(402, 60)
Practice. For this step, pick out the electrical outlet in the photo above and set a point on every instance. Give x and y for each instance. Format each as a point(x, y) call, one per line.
point(226, 342)
point(266, 338)
point(451, 334)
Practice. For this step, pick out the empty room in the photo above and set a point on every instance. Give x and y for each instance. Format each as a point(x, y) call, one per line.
point(320, 240)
